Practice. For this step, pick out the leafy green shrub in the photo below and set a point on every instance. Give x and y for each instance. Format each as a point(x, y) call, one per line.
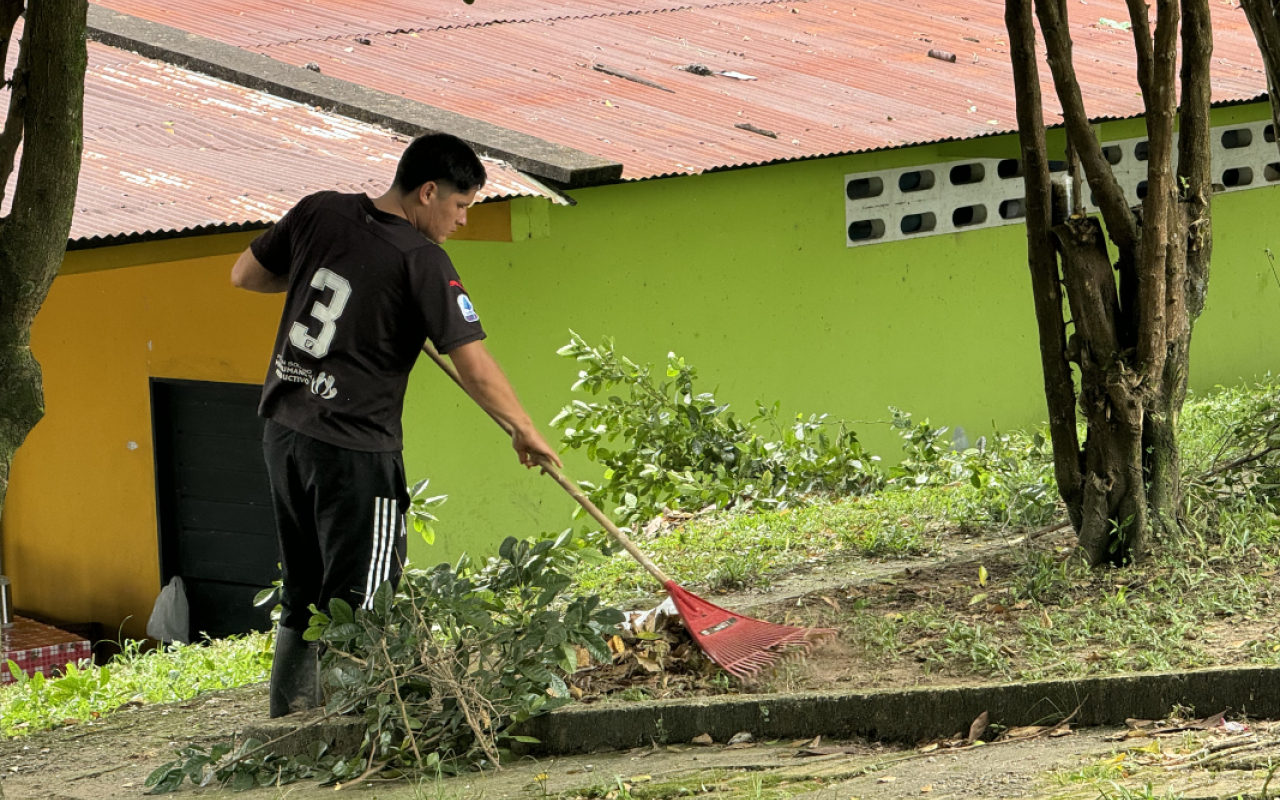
point(439, 672)
point(1012, 473)
point(461, 654)
point(1243, 457)
point(665, 445)
point(246, 767)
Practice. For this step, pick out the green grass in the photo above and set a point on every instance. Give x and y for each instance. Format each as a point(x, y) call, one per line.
point(1046, 616)
point(163, 675)
point(744, 550)
point(1043, 614)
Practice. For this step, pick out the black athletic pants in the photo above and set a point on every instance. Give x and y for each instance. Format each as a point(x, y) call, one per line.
point(340, 517)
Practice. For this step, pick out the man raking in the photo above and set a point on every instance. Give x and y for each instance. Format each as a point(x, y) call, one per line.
point(367, 285)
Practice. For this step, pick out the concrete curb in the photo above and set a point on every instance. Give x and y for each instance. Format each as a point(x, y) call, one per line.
point(911, 715)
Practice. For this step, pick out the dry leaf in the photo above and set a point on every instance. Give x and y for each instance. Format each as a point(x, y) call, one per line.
point(1024, 732)
point(617, 646)
point(704, 739)
point(886, 779)
point(1210, 722)
point(928, 787)
point(929, 748)
point(650, 664)
point(1065, 730)
point(829, 750)
point(978, 727)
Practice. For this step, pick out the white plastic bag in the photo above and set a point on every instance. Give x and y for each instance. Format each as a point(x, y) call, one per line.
point(171, 618)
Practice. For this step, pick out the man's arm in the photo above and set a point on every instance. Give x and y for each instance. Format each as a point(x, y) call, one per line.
point(249, 274)
point(485, 382)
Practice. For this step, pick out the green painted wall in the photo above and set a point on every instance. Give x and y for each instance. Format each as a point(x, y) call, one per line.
point(747, 275)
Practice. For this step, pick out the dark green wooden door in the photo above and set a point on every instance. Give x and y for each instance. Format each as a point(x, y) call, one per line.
point(214, 503)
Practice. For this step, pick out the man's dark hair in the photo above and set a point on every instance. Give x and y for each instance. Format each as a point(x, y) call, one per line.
point(442, 158)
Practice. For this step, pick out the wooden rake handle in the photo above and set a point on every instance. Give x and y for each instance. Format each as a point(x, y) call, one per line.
point(569, 486)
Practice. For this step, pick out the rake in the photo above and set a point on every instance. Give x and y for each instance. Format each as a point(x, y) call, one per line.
point(740, 645)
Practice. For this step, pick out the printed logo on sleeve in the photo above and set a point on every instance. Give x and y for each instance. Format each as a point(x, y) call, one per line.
point(468, 310)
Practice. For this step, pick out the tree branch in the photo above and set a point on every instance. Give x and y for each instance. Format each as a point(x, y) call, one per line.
point(1140, 27)
point(1267, 33)
point(1091, 286)
point(1161, 104)
point(1195, 174)
point(10, 10)
point(11, 136)
point(1107, 192)
point(1042, 258)
point(34, 238)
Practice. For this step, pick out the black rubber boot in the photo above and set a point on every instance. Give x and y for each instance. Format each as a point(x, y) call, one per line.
point(295, 673)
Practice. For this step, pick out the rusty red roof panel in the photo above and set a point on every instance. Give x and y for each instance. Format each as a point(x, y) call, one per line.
point(808, 78)
point(236, 22)
point(166, 149)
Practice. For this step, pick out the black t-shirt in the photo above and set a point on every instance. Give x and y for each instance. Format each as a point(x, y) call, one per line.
point(366, 289)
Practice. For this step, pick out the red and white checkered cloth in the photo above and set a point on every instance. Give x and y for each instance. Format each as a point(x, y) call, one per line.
point(41, 648)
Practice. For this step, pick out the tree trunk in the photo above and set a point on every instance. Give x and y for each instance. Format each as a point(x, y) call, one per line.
point(33, 238)
point(1130, 322)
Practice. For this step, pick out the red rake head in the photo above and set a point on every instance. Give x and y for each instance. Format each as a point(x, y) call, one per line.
point(742, 646)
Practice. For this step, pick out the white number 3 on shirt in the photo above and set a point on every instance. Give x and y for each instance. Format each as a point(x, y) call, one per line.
point(300, 334)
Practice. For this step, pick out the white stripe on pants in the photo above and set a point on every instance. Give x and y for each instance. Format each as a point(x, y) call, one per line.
point(383, 545)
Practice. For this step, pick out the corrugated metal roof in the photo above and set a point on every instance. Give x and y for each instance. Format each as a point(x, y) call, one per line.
point(168, 150)
point(233, 22)
point(830, 76)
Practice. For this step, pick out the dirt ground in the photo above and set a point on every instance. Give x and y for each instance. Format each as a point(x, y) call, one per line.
point(111, 758)
point(845, 594)
point(835, 593)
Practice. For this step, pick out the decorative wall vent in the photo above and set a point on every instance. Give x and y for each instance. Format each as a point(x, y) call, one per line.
point(908, 203)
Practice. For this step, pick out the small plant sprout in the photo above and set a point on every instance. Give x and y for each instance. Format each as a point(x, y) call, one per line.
point(420, 505)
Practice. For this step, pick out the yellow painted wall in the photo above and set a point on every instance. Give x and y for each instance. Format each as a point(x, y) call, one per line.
point(80, 539)
point(84, 546)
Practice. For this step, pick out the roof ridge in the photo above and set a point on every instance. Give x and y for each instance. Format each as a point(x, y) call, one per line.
point(517, 21)
point(548, 160)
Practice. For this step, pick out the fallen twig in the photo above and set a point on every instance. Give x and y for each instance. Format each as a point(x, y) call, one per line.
point(96, 773)
point(1221, 754)
point(404, 712)
point(1057, 526)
